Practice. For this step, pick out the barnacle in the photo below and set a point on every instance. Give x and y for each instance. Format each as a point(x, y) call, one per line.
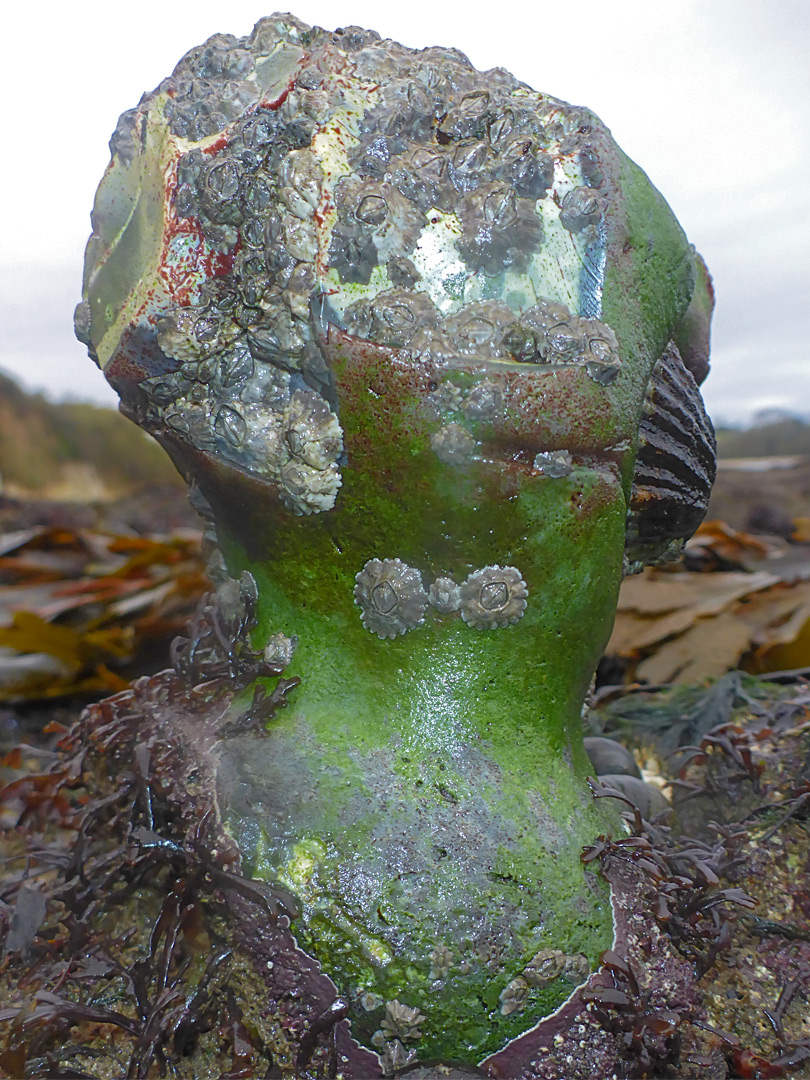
point(580, 208)
point(378, 210)
point(452, 444)
point(576, 967)
point(478, 328)
point(499, 229)
point(513, 997)
point(483, 401)
point(441, 960)
point(527, 168)
point(553, 463)
point(352, 253)
point(279, 649)
point(544, 967)
point(305, 490)
point(493, 597)
point(469, 166)
point(402, 1021)
point(421, 176)
point(392, 317)
point(301, 177)
point(444, 595)
point(310, 431)
point(448, 397)
point(391, 597)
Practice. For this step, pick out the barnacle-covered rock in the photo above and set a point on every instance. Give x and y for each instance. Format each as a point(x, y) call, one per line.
point(493, 597)
point(373, 300)
point(391, 597)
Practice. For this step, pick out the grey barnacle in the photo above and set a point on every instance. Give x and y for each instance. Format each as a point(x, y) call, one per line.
point(310, 430)
point(544, 967)
point(580, 208)
point(310, 442)
point(513, 996)
point(493, 597)
point(554, 463)
point(444, 595)
point(390, 596)
point(402, 1021)
point(452, 444)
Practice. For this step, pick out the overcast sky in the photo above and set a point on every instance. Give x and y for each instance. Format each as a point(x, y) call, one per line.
point(711, 98)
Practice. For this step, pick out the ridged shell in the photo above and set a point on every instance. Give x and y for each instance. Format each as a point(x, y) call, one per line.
point(675, 465)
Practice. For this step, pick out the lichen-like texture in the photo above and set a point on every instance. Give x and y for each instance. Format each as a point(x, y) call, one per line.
point(396, 320)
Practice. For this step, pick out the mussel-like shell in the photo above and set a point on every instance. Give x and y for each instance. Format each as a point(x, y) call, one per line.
point(675, 465)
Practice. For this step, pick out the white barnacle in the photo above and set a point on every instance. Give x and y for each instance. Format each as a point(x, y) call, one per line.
point(305, 490)
point(311, 441)
point(452, 444)
point(513, 996)
point(390, 596)
point(493, 597)
point(402, 1022)
point(310, 430)
point(280, 648)
point(444, 595)
point(441, 960)
point(554, 463)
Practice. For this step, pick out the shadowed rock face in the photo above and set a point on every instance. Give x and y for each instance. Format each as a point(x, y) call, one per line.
point(404, 325)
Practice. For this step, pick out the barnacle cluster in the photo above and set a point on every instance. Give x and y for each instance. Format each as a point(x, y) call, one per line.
point(443, 211)
point(544, 968)
point(392, 598)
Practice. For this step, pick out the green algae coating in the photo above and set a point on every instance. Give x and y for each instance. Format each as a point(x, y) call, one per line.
point(424, 797)
point(441, 799)
point(404, 748)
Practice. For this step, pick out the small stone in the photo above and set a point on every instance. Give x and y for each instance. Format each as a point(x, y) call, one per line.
point(609, 756)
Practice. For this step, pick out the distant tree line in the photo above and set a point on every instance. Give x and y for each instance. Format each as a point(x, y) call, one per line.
point(38, 439)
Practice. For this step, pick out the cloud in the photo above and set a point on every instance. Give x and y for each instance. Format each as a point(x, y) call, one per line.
point(711, 99)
